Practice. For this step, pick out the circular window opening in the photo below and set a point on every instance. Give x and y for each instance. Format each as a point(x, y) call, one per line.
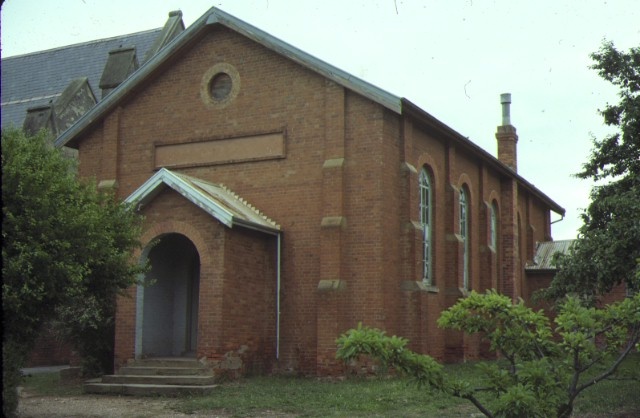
point(220, 86)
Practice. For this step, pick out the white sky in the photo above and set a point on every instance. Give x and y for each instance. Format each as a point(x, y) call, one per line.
point(452, 58)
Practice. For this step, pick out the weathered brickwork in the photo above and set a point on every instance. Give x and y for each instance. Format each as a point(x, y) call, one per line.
point(346, 196)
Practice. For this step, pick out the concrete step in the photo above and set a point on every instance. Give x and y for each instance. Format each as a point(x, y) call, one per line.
point(163, 371)
point(156, 376)
point(135, 389)
point(168, 362)
point(189, 380)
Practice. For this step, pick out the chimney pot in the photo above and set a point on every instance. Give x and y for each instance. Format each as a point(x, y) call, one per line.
point(506, 135)
point(505, 99)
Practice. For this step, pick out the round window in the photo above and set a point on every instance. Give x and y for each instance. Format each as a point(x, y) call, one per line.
point(220, 86)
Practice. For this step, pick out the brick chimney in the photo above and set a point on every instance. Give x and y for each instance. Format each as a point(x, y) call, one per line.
point(506, 136)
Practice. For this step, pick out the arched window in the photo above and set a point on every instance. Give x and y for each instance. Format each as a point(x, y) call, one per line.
point(425, 222)
point(493, 226)
point(464, 233)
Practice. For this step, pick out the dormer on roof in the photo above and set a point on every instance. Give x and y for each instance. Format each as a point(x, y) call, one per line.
point(172, 28)
point(40, 117)
point(76, 99)
point(74, 102)
point(120, 64)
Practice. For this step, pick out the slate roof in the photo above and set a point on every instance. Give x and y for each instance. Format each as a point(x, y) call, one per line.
point(215, 199)
point(36, 79)
point(543, 259)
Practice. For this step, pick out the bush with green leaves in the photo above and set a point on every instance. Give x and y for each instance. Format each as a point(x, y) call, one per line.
point(66, 251)
point(541, 371)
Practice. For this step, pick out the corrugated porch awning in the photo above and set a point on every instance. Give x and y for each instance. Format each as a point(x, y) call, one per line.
point(215, 199)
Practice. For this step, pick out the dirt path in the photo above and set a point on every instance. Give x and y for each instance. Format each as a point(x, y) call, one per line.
point(99, 406)
point(105, 406)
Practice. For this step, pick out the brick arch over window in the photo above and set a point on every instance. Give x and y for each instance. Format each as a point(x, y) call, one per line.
point(465, 181)
point(494, 197)
point(430, 163)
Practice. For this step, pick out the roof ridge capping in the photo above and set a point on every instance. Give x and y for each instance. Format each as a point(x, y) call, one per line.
point(213, 202)
point(232, 194)
point(245, 203)
point(371, 91)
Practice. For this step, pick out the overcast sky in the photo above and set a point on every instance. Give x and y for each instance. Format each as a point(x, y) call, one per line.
point(452, 58)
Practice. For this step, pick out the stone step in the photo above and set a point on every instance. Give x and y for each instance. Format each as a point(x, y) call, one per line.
point(163, 371)
point(189, 380)
point(136, 389)
point(168, 362)
point(156, 376)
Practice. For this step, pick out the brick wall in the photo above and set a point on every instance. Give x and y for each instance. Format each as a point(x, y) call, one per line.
point(249, 298)
point(346, 196)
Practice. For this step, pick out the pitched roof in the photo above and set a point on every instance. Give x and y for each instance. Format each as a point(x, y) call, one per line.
point(39, 78)
point(215, 199)
point(543, 259)
point(217, 17)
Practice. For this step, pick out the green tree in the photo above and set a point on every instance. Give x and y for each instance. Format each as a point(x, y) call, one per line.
point(605, 253)
point(541, 372)
point(66, 252)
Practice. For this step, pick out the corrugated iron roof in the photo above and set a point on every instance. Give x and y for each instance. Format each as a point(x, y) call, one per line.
point(215, 199)
point(543, 259)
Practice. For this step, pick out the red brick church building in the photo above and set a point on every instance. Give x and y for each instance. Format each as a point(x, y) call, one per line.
point(286, 201)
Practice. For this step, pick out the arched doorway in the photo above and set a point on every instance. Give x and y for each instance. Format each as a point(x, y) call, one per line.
point(167, 306)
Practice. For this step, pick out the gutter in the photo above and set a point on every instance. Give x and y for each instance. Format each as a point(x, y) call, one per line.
point(435, 125)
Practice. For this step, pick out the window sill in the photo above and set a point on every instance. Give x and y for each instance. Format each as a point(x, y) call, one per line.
point(430, 288)
point(464, 292)
point(418, 286)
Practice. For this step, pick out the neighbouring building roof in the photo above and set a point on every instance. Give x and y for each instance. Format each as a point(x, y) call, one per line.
point(39, 78)
point(543, 259)
point(215, 199)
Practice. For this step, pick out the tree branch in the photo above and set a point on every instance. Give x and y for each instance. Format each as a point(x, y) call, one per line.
point(478, 405)
point(635, 336)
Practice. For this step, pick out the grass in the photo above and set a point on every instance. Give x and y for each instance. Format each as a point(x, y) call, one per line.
point(305, 397)
point(379, 397)
point(50, 384)
point(621, 396)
